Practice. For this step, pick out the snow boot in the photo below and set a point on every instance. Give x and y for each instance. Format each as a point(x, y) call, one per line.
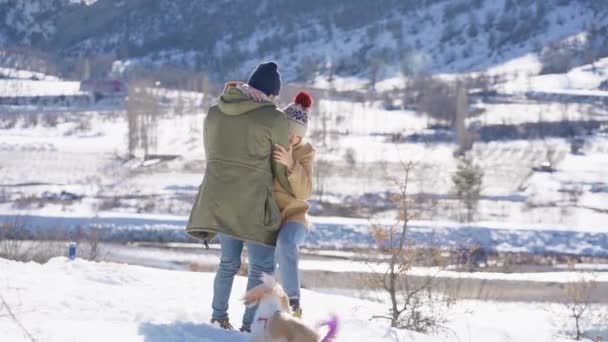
point(224, 323)
point(296, 310)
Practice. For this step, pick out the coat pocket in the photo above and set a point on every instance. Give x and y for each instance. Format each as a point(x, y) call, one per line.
point(271, 211)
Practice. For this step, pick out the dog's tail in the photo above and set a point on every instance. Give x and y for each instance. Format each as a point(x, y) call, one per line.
point(332, 325)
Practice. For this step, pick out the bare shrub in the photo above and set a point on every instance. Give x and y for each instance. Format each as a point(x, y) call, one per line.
point(470, 259)
point(4, 193)
point(30, 120)
point(435, 98)
point(9, 122)
point(18, 242)
point(50, 119)
point(108, 203)
point(560, 57)
point(414, 304)
point(147, 205)
point(90, 241)
point(577, 297)
point(13, 234)
point(83, 125)
point(42, 250)
point(28, 202)
point(351, 157)
point(43, 244)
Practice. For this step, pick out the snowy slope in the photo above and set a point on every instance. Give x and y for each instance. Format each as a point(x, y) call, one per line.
point(584, 78)
point(64, 301)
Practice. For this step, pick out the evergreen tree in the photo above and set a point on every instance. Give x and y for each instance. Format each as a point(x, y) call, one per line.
point(467, 182)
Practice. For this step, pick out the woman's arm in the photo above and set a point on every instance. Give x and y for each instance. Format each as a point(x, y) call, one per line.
point(300, 176)
point(279, 137)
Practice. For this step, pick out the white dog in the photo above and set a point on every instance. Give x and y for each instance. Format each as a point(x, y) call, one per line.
point(273, 321)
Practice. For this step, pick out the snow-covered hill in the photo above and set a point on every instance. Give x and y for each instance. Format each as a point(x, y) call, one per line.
point(344, 38)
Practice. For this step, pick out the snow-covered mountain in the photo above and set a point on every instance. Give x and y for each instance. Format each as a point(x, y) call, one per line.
point(355, 37)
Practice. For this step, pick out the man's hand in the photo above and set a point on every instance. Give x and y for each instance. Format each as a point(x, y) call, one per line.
point(281, 155)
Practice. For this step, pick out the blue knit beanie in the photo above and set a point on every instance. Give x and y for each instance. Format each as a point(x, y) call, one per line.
point(266, 78)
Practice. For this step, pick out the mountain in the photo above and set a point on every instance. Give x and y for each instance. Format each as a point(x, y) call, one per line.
point(342, 37)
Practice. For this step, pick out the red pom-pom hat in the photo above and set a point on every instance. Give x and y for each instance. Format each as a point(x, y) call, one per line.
point(298, 113)
point(304, 99)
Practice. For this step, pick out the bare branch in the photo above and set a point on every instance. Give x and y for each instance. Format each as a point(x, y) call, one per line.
point(14, 318)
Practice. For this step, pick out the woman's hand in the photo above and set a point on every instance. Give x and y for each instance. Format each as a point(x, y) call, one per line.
point(230, 84)
point(281, 155)
point(252, 93)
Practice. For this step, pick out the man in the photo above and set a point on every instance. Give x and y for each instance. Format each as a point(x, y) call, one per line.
point(235, 199)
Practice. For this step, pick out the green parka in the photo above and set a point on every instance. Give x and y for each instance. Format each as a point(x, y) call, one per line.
point(236, 197)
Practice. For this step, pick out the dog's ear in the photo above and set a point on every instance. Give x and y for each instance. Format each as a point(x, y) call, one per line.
point(253, 296)
point(282, 296)
point(285, 303)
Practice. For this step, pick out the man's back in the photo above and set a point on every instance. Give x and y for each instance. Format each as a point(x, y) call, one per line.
point(235, 198)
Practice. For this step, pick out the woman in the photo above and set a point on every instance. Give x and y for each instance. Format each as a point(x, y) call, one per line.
point(294, 207)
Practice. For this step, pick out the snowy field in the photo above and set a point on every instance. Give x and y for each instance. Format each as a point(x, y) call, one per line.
point(520, 210)
point(83, 152)
point(26, 88)
point(64, 301)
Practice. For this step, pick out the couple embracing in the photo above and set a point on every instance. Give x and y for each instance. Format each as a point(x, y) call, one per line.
point(256, 186)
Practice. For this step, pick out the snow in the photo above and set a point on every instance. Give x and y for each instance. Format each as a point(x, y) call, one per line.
point(28, 88)
point(25, 74)
point(478, 321)
point(81, 154)
point(527, 64)
point(84, 2)
point(63, 301)
point(522, 76)
point(583, 80)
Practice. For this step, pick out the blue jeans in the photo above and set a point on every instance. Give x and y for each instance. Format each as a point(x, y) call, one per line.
point(261, 260)
point(291, 237)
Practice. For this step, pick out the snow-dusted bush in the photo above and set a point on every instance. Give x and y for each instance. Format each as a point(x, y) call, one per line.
point(415, 304)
